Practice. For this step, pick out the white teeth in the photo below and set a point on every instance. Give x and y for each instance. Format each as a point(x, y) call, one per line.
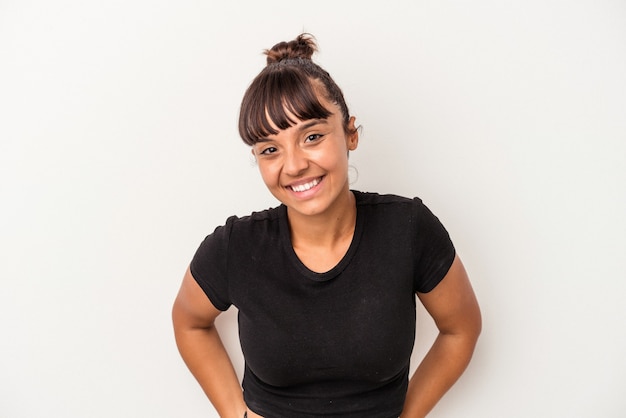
point(306, 186)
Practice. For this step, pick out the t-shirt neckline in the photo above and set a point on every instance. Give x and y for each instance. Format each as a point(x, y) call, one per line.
point(341, 265)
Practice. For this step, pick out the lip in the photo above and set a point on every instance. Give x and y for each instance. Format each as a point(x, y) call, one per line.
point(308, 192)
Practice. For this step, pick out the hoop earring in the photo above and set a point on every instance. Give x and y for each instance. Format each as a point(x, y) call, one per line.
point(353, 174)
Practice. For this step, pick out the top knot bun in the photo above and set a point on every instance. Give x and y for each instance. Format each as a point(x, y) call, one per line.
point(302, 47)
point(288, 89)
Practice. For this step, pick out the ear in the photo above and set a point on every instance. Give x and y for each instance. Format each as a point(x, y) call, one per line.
point(352, 137)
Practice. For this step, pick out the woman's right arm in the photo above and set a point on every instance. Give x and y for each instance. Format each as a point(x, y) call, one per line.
point(201, 348)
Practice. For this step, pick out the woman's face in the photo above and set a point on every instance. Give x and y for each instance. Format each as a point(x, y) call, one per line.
point(306, 165)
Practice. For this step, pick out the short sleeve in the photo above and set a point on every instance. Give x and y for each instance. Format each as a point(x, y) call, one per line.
point(209, 266)
point(434, 251)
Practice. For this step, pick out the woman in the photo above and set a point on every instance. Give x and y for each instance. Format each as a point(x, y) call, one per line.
point(325, 283)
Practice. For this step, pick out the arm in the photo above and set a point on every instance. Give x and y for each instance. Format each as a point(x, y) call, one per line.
point(193, 316)
point(454, 308)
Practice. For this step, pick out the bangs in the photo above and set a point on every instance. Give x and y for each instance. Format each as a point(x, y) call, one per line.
point(279, 99)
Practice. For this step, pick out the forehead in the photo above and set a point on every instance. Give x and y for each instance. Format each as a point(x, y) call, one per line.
point(302, 125)
point(295, 113)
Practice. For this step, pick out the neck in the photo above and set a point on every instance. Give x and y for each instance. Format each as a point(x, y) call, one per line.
point(326, 229)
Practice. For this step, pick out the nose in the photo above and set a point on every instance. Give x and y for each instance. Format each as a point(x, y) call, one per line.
point(295, 162)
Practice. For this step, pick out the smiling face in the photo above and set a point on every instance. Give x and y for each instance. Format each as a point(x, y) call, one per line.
point(305, 166)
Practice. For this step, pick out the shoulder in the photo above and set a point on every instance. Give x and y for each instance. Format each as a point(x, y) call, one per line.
point(257, 228)
point(240, 233)
point(254, 219)
point(395, 210)
point(372, 199)
point(386, 212)
point(256, 223)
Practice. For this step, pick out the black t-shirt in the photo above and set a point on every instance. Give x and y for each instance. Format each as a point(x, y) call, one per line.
point(334, 344)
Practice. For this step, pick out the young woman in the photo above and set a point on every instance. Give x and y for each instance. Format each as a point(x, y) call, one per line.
point(326, 282)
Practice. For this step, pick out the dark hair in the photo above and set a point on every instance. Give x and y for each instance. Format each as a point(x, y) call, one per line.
point(290, 82)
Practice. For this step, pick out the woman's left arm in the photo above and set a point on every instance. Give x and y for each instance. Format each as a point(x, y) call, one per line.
point(453, 306)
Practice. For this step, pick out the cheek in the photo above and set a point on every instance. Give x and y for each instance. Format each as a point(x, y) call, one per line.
point(268, 174)
point(338, 159)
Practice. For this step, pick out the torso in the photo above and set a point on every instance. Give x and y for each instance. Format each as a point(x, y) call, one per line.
point(319, 327)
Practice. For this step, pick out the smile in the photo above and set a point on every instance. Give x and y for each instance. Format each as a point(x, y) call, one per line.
point(306, 186)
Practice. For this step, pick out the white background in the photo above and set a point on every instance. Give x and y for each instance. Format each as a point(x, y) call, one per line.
point(119, 153)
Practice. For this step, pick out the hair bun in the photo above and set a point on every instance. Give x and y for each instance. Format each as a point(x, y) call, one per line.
point(302, 47)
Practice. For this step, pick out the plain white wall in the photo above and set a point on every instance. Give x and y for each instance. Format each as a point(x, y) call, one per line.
point(119, 153)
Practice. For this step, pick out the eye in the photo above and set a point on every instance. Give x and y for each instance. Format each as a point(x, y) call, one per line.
point(313, 137)
point(268, 151)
